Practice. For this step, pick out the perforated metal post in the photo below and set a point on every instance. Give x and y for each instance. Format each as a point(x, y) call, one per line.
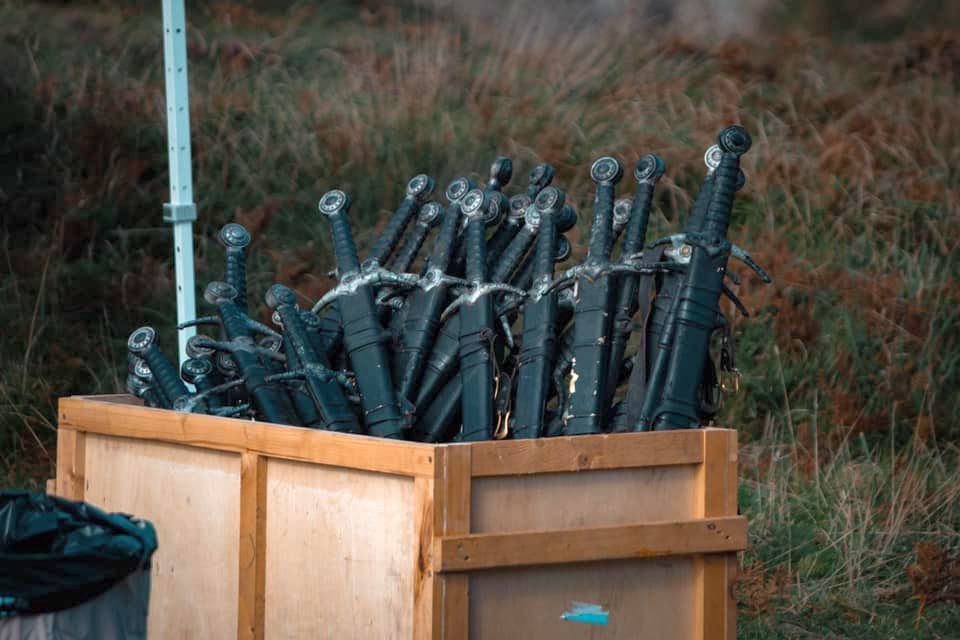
point(180, 211)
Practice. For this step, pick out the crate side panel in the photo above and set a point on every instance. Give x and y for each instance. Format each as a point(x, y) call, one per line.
point(340, 553)
point(643, 598)
point(192, 496)
point(583, 499)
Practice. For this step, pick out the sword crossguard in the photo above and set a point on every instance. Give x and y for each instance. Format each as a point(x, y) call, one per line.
point(681, 243)
point(324, 374)
point(198, 401)
point(373, 276)
point(734, 299)
point(476, 291)
point(195, 350)
point(233, 346)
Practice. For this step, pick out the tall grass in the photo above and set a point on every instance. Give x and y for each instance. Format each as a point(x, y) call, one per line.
point(852, 358)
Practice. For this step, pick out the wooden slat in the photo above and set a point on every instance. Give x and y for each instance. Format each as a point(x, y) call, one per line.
point(424, 581)
point(613, 451)
point(110, 417)
point(253, 546)
point(451, 614)
point(718, 611)
point(650, 540)
point(71, 463)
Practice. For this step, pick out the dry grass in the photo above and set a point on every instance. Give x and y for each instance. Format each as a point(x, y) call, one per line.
point(852, 361)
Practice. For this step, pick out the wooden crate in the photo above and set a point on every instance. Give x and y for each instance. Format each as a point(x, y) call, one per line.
point(278, 532)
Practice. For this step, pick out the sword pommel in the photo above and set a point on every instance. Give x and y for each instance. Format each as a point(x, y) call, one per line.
point(735, 139)
point(500, 173)
point(420, 187)
point(540, 177)
point(649, 168)
point(234, 236)
point(549, 201)
point(430, 214)
point(280, 296)
point(567, 219)
point(606, 170)
point(457, 189)
point(193, 368)
point(219, 292)
point(476, 205)
point(334, 202)
point(141, 339)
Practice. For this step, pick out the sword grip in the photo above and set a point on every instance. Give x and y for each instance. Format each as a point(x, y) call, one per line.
point(445, 244)
point(601, 229)
point(476, 251)
point(407, 253)
point(344, 248)
point(512, 255)
point(546, 249)
point(236, 273)
point(164, 373)
point(734, 142)
point(390, 237)
point(648, 171)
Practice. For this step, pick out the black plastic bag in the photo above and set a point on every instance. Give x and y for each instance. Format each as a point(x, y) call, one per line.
point(56, 554)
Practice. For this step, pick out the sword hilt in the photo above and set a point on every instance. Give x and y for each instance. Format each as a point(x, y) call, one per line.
point(419, 190)
point(513, 253)
point(334, 205)
point(235, 239)
point(648, 171)
point(144, 343)
point(540, 177)
point(734, 141)
point(446, 242)
point(475, 207)
point(500, 173)
point(549, 205)
point(606, 172)
point(429, 216)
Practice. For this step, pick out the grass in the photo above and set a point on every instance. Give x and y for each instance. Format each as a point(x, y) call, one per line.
point(850, 417)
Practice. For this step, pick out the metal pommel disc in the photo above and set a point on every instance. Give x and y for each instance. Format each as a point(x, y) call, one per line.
point(518, 206)
point(142, 370)
point(431, 213)
point(420, 187)
point(225, 363)
point(193, 368)
point(309, 320)
point(457, 190)
point(234, 236)
point(218, 291)
point(735, 139)
point(621, 211)
point(531, 217)
point(567, 219)
point(549, 200)
point(141, 339)
point(606, 170)
point(542, 175)
point(563, 249)
point(712, 157)
point(501, 171)
point(195, 348)
point(279, 295)
point(334, 202)
point(271, 343)
point(649, 168)
point(477, 204)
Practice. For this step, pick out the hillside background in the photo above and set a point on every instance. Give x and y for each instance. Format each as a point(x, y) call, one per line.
point(850, 415)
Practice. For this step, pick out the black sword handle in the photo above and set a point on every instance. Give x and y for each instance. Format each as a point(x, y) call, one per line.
point(734, 141)
point(606, 172)
point(505, 233)
point(419, 190)
point(445, 244)
point(143, 343)
point(711, 158)
point(335, 205)
point(235, 239)
point(429, 216)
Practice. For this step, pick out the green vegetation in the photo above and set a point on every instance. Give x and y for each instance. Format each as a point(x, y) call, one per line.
point(850, 417)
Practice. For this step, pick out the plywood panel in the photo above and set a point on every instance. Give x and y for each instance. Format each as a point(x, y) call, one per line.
point(584, 499)
point(340, 556)
point(645, 598)
point(192, 496)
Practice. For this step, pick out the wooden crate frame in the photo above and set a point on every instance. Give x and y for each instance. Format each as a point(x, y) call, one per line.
point(449, 551)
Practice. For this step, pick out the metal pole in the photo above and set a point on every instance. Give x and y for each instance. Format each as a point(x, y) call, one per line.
point(180, 211)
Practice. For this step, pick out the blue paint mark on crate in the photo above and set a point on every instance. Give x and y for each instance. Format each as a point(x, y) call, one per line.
point(586, 613)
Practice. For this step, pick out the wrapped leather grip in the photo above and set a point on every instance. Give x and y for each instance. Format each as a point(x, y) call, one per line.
point(344, 248)
point(390, 237)
point(601, 231)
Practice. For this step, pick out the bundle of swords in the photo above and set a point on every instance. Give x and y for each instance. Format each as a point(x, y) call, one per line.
point(490, 340)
